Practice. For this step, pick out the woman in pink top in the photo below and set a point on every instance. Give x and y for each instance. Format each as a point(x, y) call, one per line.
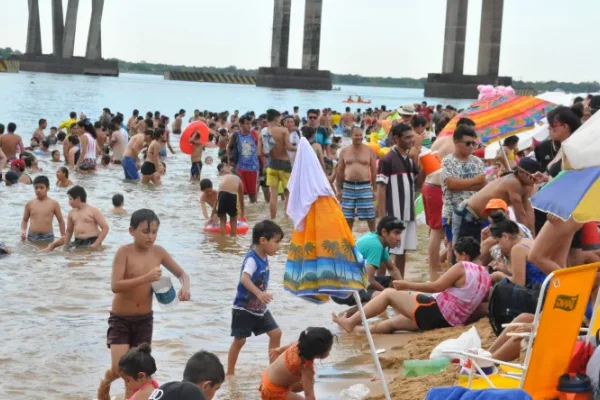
point(87, 137)
point(456, 298)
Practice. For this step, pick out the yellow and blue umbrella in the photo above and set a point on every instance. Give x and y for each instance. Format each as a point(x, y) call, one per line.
point(572, 194)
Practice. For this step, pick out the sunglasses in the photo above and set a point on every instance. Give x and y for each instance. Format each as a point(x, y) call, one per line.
point(312, 117)
point(469, 143)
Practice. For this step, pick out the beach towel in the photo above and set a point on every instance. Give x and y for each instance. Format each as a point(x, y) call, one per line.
point(306, 184)
point(459, 393)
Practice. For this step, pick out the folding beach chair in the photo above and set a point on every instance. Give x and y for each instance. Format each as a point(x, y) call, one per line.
point(564, 296)
point(594, 322)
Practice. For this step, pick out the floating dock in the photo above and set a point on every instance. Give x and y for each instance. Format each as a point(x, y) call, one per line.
point(211, 77)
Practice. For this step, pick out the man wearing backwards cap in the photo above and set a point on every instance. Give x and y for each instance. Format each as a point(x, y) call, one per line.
point(515, 189)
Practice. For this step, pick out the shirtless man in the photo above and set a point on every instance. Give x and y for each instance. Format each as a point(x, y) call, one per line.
point(196, 157)
point(117, 142)
point(176, 126)
point(40, 212)
point(356, 173)
point(100, 138)
point(347, 121)
point(515, 189)
point(150, 167)
point(132, 122)
point(84, 221)
point(196, 116)
point(230, 201)
point(279, 165)
point(39, 132)
point(10, 141)
point(130, 158)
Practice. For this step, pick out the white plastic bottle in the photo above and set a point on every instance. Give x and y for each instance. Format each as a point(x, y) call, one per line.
point(165, 292)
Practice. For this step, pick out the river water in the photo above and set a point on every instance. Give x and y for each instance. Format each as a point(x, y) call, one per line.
point(53, 319)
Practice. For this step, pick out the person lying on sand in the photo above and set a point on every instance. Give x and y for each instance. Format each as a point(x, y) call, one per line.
point(458, 296)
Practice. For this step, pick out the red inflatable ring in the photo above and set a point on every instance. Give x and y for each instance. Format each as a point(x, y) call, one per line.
point(184, 141)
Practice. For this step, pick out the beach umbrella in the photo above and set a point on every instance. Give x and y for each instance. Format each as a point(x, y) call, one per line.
point(572, 194)
point(575, 192)
point(502, 116)
point(323, 259)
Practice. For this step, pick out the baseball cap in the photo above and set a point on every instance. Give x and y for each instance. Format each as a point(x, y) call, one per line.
point(178, 391)
point(495, 204)
point(529, 165)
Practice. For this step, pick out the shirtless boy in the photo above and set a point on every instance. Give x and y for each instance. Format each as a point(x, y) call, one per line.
point(279, 166)
point(209, 196)
point(515, 189)
point(135, 267)
point(356, 173)
point(10, 141)
point(118, 200)
point(39, 132)
point(118, 143)
point(196, 156)
point(40, 212)
point(150, 166)
point(84, 221)
point(130, 157)
point(230, 196)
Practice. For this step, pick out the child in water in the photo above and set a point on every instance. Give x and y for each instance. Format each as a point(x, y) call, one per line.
point(250, 314)
point(118, 201)
point(136, 368)
point(294, 369)
point(135, 267)
point(208, 196)
point(39, 214)
point(55, 156)
point(230, 199)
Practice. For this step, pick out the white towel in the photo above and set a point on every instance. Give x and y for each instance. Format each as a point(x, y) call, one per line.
point(307, 183)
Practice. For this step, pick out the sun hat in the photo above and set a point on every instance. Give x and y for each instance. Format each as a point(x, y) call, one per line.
point(407, 109)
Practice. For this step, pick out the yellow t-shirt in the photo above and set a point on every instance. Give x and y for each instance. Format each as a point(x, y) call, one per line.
point(335, 119)
point(67, 125)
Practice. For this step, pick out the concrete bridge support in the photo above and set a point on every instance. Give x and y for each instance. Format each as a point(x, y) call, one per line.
point(94, 44)
point(34, 34)
point(281, 33)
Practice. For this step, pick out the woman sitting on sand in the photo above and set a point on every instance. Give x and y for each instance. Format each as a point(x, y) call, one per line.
point(517, 248)
point(456, 298)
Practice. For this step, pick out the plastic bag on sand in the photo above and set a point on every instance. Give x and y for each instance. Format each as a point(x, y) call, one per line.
point(468, 340)
point(355, 392)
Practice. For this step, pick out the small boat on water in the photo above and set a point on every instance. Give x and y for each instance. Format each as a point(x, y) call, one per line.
point(337, 88)
point(359, 100)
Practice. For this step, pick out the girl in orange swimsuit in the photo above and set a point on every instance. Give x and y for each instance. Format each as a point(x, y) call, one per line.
point(294, 370)
point(136, 368)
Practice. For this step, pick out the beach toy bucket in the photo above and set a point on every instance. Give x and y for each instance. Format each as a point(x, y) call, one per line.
point(590, 239)
point(164, 290)
point(574, 387)
point(430, 161)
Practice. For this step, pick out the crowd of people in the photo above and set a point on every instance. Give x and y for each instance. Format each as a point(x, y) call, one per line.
point(482, 227)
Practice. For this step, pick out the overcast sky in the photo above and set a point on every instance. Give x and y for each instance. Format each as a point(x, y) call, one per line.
point(541, 40)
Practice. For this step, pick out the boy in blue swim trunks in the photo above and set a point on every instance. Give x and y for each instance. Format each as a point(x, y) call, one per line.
point(39, 214)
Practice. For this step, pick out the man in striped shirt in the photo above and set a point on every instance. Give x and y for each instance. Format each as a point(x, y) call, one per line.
point(398, 178)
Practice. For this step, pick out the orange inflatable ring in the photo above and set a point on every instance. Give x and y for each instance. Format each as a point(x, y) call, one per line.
point(184, 141)
point(242, 227)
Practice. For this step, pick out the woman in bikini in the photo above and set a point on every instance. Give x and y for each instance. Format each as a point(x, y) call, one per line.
point(292, 367)
point(453, 300)
point(136, 368)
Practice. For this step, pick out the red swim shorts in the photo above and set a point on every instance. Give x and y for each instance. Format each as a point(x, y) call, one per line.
point(250, 180)
point(433, 203)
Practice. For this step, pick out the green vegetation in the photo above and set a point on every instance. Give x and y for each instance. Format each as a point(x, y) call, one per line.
point(355, 80)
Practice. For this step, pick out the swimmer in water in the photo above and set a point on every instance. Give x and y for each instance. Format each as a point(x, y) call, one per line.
point(135, 267)
point(84, 221)
point(118, 200)
point(62, 177)
point(39, 214)
point(149, 168)
point(209, 196)
point(55, 156)
point(196, 156)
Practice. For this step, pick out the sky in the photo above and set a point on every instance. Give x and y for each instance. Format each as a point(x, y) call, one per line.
point(542, 39)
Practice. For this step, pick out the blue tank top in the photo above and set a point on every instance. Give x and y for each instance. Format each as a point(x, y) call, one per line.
point(248, 159)
point(533, 275)
point(244, 299)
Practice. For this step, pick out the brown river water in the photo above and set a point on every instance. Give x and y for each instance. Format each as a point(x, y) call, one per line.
point(53, 319)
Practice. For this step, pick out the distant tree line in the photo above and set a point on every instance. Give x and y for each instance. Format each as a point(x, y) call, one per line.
point(338, 79)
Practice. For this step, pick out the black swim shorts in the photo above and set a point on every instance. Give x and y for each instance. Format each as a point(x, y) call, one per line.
point(227, 204)
point(427, 315)
point(244, 324)
point(132, 330)
point(148, 168)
